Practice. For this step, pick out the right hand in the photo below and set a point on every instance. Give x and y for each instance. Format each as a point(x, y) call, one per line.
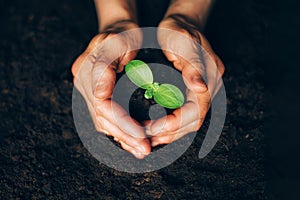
point(94, 77)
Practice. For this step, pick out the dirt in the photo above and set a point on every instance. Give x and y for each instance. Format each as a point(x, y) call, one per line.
point(41, 155)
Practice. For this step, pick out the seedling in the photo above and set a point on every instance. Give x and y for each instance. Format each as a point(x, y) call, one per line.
point(166, 95)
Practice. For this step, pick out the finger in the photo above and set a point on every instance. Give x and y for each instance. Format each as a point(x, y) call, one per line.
point(193, 71)
point(138, 144)
point(127, 127)
point(173, 136)
point(103, 80)
point(76, 65)
point(193, 126)
point(194, 110)
point(193, 74)
point(214, 67)
point(179, 118)
point(131, 150)
point(173, 58)
point(125, 59)
point(114, 113)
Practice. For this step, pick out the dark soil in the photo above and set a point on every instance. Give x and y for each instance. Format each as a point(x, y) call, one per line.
point(41, 155)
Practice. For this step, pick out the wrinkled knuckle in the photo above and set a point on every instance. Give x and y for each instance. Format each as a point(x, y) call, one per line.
point(98, 108)
point(170, 127)
point(95, 107)
point(195, 62)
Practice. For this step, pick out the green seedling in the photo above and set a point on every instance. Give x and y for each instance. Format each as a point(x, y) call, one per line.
point(166, 95)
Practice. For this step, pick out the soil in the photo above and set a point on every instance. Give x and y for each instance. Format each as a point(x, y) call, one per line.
point(41, 155)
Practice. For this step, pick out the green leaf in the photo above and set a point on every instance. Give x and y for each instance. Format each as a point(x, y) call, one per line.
point(139, 73)
point(169, 96)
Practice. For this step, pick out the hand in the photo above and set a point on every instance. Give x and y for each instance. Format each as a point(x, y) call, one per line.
point(201, 72)
point(95, 75)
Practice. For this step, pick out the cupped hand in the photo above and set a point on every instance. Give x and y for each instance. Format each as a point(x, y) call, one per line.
point(95, 75)
point(202, 72)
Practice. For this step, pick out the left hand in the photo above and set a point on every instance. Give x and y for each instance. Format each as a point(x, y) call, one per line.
point(177, 37)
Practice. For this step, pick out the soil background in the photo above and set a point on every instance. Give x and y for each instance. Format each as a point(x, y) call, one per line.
point(42, 157)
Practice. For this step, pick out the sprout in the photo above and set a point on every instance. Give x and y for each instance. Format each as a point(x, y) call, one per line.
point(166, 95)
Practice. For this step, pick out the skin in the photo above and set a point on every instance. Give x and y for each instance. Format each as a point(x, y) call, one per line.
point(96, 81)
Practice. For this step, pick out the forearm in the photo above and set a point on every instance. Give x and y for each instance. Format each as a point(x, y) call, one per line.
point(195, 10)
point(111, 11)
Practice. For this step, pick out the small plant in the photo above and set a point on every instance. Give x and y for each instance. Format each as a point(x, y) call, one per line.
point(166, 95)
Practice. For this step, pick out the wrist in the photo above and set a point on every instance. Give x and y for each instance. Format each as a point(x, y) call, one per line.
point(193, 11)
point(114, 11)
point(119, 26)
point(117, 17)
point(182, 24)
point(179, 21)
